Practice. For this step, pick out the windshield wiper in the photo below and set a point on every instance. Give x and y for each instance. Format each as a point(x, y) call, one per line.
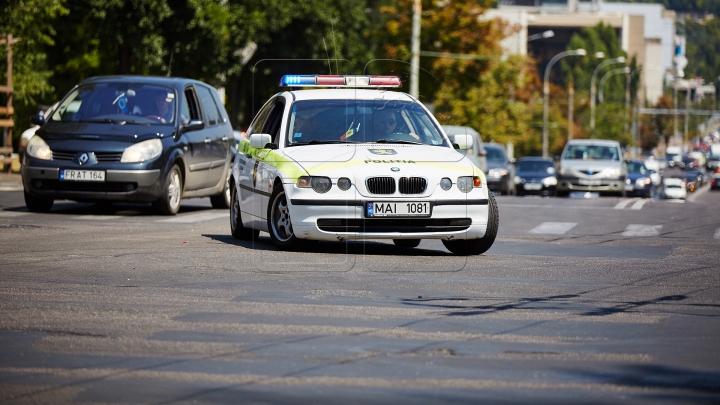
point(102, 120)
point(317, 142)
point(398, 141)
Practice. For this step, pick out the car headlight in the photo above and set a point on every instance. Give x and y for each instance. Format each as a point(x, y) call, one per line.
point(642, 181)
point(467, 183)
point(38, 149)
point(550, 181)
point(319, 184)
point(445, 183)
point(142, 151)
point(564, 171)
point(517, 179)
point(612, 172)
point(496, 173)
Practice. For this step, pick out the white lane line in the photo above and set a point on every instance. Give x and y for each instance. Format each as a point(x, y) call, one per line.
point(97, 217)
point(10, 214)
point(717, 233)
point(624, 203)
point(554, 228)
point(639, 204)
point(642, 230)
point(200, 217)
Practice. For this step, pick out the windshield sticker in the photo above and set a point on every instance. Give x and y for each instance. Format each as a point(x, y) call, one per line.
point(382, 151)
point(297, 135)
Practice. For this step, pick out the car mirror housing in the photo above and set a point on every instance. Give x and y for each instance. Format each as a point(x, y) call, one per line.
point(463, 141)
point(260, 140)
point(193, 125)
point(38, 119)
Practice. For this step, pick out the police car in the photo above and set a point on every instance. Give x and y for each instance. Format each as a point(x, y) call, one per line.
point(348, 159)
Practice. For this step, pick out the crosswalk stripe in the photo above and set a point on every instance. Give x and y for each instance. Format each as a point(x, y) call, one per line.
point(97, 217)
point(200, 217)
point(554, 228)
point(639, 204)
point(9, 214)
point(717, 233)
point(624, 203)
point(642, 230)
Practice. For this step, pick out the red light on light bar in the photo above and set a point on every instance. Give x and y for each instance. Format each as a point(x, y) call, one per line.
point(328, 80)
point(393, 81)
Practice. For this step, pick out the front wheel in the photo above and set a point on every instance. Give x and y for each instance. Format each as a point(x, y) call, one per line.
point(406, 243)
point(38, 204)
point(169, 201)
point(237, 229)
point(279, 221)
point(466, 247)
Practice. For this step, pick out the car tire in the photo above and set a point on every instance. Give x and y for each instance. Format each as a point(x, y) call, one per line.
point(279, 222)
point(237, 229)
point(406, 243)
point(169, 201)
point(38, 204)
point(466, 247)
point(222, 200)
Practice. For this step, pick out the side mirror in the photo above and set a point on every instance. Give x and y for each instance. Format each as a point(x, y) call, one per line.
point(482, 152)
point(193, 125)
point(37, 119)
point(463, 141)
point(259, 141)
point(512, 161)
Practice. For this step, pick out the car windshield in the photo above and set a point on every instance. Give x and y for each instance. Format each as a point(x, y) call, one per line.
point(636, 167)
point(118, 103)
point(591, 152)
point(359, 121)
point(495, 155)
point(535, 166)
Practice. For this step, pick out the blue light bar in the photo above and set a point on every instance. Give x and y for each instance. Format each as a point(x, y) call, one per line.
point(339, 81)
point(298, 80)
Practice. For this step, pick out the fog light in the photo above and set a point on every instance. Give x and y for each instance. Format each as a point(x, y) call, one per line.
point(445, 183)
point(344, 183)
point(38, 183)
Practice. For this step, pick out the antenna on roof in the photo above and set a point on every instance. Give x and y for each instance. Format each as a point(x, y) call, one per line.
point(170, 63)
point(332, 25)
point(328, 55)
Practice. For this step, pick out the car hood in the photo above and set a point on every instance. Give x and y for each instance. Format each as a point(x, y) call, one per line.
point(635, 176)
point(91, 136)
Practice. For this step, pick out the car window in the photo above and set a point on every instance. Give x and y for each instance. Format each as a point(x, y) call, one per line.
point(591, 152)
point(272, 124)
point(636, 167)
point(495, 155)
point(257, 125)
point(535, 166)
point(356, 121)
point(192, 106)
point(118, 101)
point(209, 109)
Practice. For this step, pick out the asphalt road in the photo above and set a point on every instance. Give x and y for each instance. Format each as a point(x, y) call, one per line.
point(580, 301)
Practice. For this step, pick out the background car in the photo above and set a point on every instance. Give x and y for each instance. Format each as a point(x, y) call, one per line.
point(592, 165)
point(501, 170)
point(535, 176)
point(639, 182)
point(656, 171)
point(476, 153)
point(131, 139)
point(674, 188)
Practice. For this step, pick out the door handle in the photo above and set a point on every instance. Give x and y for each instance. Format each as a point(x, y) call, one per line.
point(207, 140)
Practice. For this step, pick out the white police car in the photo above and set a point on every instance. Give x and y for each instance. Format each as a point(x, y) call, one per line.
point(357, 162)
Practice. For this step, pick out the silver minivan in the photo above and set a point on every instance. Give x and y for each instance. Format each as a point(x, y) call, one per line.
point(592, 165)
point(476, 153)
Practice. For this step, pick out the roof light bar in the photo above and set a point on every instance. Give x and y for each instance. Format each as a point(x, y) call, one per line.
point(339, 81)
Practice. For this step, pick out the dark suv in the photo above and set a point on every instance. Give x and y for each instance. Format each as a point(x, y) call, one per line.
point(501, 170)
point(131, 139)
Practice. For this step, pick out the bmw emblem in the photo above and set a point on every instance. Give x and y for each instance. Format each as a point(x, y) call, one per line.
point(395, 169)
point(83, 158)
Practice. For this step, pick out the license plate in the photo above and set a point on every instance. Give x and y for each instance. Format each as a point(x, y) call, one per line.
point(629, 187)
point(397, 209)
point(81, 175)
point(533, 186)
point(590, 182)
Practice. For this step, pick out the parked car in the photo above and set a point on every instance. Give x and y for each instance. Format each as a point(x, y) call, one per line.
point(639, 181)
point(476, 153)
point(501, 169)
point(132, 139)
point(535, 175)
point(592, 165)
point(674, 188)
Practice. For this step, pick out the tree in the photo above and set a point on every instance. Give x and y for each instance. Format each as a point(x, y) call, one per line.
point(703, 43)
point(655, 129)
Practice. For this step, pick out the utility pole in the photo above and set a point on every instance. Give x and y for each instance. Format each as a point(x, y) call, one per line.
point(7, 124)
point(415, 48)
point(571, 97)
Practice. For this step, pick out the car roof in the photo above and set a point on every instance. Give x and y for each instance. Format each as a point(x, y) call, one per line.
point(458, 130)
point(602, 142)
point(349, 94)
point(167, 81)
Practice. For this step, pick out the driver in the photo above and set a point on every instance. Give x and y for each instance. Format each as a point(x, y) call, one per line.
point(164, 105)
point(384, 122)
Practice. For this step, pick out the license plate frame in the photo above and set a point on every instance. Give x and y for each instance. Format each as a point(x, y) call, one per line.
point(590, 182)
point(96, 176)
point(533, 186)
point(398, 209)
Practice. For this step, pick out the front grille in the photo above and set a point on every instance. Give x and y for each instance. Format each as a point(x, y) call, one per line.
point(63, 156)
point(108, 156)
point(381, 185)
point(387, 225)
point(84, 186)
point(412, 185)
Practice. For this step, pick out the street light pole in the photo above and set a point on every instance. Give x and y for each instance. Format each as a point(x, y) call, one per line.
point(546, 93)
point(620, 59)
point(607, 76)
point(415, 49)
point(544, 34)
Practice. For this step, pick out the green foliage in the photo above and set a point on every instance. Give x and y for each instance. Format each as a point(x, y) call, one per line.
point(703, 48)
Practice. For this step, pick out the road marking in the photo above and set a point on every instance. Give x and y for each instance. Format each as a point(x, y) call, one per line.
point(642, 230)
point(554, 228)
point(199, 217)
point(717, 233)
point(11, 186)
point(97, 217)
point(9, 214)
point(639, 204)
point(624, 203)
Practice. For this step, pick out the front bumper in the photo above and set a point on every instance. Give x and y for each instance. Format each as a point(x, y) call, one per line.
point(119, 185)
point(604, 185)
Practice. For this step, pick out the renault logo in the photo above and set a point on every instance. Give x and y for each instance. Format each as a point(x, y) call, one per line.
point(83, 158)
point(395, 169)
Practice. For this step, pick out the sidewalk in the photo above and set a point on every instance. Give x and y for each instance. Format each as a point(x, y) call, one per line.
point(10, 182)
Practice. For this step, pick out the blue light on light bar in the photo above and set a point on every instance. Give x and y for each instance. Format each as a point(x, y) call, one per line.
point(295, 80)
point(353, 81)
